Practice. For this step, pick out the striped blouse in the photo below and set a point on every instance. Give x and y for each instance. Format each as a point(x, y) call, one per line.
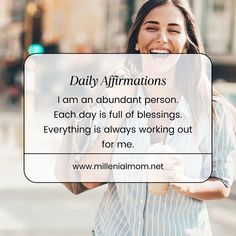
point(128, 209)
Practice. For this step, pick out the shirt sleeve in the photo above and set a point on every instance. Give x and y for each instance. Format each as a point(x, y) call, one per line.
point(224, 144)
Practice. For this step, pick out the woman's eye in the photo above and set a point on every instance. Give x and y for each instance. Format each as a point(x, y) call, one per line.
point(174, 31)
point(151, 29)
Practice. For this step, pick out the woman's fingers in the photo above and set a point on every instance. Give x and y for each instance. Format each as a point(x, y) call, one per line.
point(181, 187)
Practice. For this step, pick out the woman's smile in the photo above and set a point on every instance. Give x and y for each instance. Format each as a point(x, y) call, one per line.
point(156, 50)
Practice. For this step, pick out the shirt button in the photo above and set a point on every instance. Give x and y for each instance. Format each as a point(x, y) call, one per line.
point(141, 201)
point(139, 222)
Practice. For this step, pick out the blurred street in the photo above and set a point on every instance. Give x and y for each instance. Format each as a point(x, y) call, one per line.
point(29, 209)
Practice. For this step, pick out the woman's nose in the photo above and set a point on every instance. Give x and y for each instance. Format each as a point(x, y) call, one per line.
point(162, 37)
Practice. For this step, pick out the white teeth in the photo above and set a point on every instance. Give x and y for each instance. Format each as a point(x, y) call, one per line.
point(159, 51)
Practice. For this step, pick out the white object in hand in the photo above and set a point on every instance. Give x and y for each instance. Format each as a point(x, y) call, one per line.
point(159, 188)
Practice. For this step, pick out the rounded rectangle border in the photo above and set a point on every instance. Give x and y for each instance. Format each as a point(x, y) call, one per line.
point(63, 153)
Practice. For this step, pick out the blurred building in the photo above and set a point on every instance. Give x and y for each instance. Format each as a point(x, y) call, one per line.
point(74, 24)
point(217, 20)
point(11, 25)
point(11, 48)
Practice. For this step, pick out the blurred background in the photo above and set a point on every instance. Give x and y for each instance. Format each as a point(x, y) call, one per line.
point(77, 26)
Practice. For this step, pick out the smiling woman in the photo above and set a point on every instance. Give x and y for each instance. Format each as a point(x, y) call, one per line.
point(168, 26)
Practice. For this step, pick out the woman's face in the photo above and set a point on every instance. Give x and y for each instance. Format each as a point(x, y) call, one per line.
point(163, 31)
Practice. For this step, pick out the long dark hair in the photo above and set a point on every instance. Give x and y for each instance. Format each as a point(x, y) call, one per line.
point(195, 46)
point(193, 36)
point(184, 78)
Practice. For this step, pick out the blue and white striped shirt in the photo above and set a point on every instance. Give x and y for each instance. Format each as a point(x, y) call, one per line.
point(128, 209)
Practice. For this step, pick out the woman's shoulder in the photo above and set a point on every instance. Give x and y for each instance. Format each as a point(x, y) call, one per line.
point(224, 113)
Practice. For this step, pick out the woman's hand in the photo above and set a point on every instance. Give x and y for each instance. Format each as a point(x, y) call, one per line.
point(173, 172)
point(183, 188)
point(209, 190)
